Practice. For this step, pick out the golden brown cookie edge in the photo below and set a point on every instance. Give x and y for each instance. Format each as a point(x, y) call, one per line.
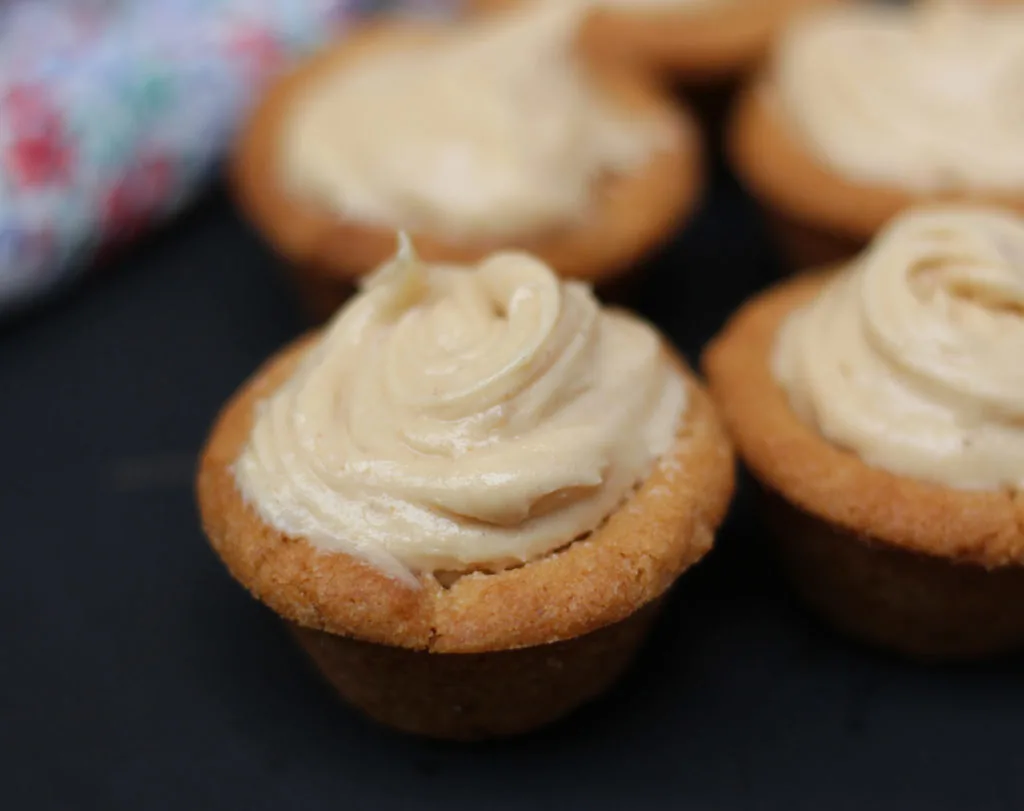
point(634, 213)
point(626, 563)
point(826, 481)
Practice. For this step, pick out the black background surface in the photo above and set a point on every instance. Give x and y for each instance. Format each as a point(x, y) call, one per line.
point(134, 674)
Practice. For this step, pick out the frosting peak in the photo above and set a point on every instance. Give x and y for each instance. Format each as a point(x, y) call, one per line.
point(493, 129)
point(928, 97)
point(454, 418)
point(914, 356)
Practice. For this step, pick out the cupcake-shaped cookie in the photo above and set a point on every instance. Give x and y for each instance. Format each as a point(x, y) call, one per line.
point(881, 406)
point(692, 40)
point(472, 137)
point(468, 493)
point(870, 108)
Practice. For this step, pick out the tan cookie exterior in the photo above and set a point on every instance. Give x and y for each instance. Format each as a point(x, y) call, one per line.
point(922, 569)
point(819, 216)
point(590, 602)
point(632, 214)
point(699, 45)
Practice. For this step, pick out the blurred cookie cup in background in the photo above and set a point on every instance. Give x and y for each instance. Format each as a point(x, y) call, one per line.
point(867, 109)
point(472, 137)
point(469, 493)
point(880, 405)
point(701, 46)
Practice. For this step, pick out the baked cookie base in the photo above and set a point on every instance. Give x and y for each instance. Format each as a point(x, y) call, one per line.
point(925, 570)
point(547, 636)
point(468, 697)
point(630, 216)
point(320, 297)
point(695, 46)
point(802, 246)
point(920, 606)
point(816, 216)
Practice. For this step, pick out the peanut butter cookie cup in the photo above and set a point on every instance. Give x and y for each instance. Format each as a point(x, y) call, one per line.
point(469, 494)
point(881, 407)
point(868, 109)
point(693, 40)
point(433, 129)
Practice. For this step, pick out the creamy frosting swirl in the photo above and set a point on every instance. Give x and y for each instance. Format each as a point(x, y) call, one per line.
point(913, 357)
point(493, 130)
point(452, 418)
point(928, 98)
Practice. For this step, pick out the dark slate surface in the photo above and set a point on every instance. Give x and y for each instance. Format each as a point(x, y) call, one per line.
point(134, 674)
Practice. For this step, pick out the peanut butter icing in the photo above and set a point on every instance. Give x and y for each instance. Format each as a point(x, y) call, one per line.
point(493, 129)
point(928, 98)
point(454, 418)
point(913, 357)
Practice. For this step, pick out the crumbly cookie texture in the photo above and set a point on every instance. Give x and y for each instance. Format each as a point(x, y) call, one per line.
point(626, 563)
point(791, 458)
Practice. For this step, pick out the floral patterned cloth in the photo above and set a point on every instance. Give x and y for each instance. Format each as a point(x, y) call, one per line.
point(112, 112)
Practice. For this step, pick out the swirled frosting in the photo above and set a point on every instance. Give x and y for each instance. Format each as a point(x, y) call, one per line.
point(455, 418)
point(495, 129)
point(913, 357)
point(929, 98)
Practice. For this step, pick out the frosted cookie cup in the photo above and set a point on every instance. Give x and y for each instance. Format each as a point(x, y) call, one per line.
point(881, 407)
point(433, 129)
point(695, 41)
point(869, 109)
point(468, 493)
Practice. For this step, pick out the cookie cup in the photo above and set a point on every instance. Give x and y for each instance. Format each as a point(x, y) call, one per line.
point(927, 571)
point(817, 216)
point(474, 655)
point(703, 53)
point(630, 215)
point(707, 46)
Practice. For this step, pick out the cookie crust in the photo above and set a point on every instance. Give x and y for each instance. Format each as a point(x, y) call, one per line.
point(631, 213)
point(628, 562)
point(786, 177)
point(833, 484)
point(699, 44)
